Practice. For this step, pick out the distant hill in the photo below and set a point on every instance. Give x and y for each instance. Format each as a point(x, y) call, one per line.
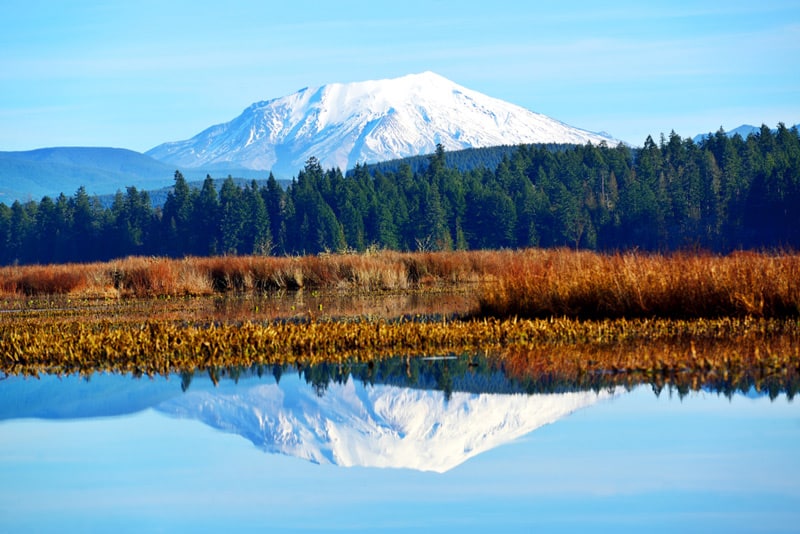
point(30, 175)
point(744, 130)
point(33, 174)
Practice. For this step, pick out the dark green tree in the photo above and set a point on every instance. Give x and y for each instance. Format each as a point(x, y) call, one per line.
point(86, 223)
point(176, 229)
point(206, 219)
point(257, 234)
point(233, 215)
point(274, 200)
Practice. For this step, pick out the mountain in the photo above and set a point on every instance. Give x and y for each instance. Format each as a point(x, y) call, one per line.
point(374, 426)
point(744, 130)
point(366, 122)
point(30, 175)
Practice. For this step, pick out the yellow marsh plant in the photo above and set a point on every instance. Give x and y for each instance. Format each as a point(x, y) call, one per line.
point(29, 345)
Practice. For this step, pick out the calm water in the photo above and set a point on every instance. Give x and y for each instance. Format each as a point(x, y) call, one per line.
point(317, 450)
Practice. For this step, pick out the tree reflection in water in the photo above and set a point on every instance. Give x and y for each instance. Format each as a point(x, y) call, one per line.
point(476, 373)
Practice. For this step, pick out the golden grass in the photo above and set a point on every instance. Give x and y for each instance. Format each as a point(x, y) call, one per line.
point(527, 283)
point(538, 283)
point(138, 277)
point(651, 350)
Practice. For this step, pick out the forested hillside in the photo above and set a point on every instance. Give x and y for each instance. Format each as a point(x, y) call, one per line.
point(722, 194)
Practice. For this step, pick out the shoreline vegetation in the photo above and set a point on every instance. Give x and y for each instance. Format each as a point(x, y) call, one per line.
point(530, 283)
point(682, 318)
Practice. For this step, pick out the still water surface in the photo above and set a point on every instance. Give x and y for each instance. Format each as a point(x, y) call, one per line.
point(296, 452)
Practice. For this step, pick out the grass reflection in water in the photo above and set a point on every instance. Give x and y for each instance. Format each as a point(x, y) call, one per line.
point(502, 374)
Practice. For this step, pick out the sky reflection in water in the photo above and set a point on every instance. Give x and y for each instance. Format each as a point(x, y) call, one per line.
point(628, 462)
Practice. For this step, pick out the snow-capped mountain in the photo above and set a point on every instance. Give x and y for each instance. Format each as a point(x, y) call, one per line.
point(366, 122)
point(376, 426)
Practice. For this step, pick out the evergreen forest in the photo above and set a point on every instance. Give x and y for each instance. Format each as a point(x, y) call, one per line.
point(720, 194)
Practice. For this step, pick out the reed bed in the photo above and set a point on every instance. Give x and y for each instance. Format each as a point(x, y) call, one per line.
point(537, 283)
point(138, 277)
point(528, 283)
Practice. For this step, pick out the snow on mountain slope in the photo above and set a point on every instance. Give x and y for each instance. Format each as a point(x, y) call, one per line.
point(366, 122)
point(376, 426)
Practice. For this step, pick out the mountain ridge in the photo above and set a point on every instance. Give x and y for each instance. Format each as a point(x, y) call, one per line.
point(51, 171)
point(366, 122)
point(54, 170)
point(743, 130)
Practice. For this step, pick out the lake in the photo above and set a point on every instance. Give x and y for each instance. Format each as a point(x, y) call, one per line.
point(364, 449)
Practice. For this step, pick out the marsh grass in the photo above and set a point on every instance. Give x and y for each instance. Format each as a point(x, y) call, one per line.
point(641, 350)
point(531, 283)
point(139, 277)
point(540, 283)
point(50, 280)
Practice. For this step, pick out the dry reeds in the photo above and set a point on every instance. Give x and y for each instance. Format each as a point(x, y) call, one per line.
point(539, 283)
point(158, 277)
point(528, 283)
point(43, 280)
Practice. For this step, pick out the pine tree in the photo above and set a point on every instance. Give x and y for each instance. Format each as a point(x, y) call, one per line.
point(84, 234)
point(257, 235)
point(176, 231)
point(206, 219)
point(232, 218)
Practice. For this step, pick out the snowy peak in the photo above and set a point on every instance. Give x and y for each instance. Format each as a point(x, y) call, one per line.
point(377, 426)
point(366, 122)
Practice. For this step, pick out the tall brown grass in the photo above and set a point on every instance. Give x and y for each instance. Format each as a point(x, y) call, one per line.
point(49, 280)
point(155, 277)
point(538, 283)
point(527, 283)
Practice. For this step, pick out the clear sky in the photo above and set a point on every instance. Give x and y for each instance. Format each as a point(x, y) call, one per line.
point(136, 74)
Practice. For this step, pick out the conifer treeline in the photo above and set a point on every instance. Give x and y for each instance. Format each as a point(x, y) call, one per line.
point(721, 194)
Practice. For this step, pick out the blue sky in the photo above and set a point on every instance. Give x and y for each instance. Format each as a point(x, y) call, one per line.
point(136, 74)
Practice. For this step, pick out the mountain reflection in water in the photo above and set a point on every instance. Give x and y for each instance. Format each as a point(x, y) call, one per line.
point(109, 452)
point(422, 414)
point(356, 424)
point(427, 414)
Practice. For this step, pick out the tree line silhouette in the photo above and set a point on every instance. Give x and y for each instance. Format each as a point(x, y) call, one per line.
point(720, 194)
